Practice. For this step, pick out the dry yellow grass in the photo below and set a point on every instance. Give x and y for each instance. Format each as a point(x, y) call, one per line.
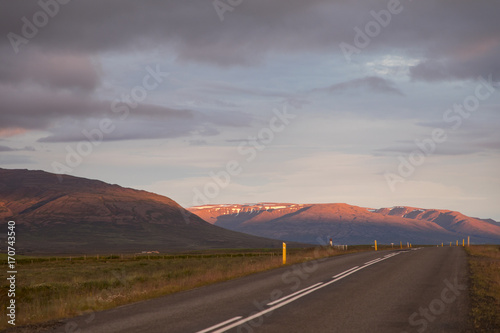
point(484, 270)
point(49, 290)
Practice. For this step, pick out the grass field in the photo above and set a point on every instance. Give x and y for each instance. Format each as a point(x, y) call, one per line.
point(57, 287)
point(484, 270)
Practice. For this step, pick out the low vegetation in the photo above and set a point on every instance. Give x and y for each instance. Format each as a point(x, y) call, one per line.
point(484, 270)
point(57, 287)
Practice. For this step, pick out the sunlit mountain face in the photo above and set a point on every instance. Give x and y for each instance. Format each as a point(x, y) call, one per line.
point(66, 214)
point(349, 224)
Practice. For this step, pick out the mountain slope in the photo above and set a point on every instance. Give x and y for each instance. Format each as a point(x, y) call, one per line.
point(79, 215)
point(349, 224)
point(450, 220)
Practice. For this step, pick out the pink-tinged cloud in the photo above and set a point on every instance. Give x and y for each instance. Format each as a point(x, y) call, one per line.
point(12, 131)
point(478, 48)
point(51, 70)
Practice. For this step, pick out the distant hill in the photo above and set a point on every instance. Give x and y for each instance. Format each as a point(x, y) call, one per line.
point(79, 215)
point(347, 224)
point(490, 221)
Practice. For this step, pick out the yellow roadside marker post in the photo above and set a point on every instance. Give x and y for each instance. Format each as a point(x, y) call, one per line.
point(375, 245)
point(442, 245)
point(401, 244)
point(284, 253)
point(468, 241)
point(457, 242)
point(463, 242)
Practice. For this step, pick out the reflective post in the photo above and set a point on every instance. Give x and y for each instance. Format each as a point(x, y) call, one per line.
point(284, 253)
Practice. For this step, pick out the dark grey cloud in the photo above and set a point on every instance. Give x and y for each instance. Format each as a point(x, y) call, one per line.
point(8, 149)
point(197, 142)
point(147, 122)
point(56, 93)
point(474, 136)
point(50, 83)
point(65, 115)
point(235, 90)
point(66, 71)
point(460, 38)
point(452, 69)
point(38, 109)
point(441, 149)
point(371, 83)
point(5, 148)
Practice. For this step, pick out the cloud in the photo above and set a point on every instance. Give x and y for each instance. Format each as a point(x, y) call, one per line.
point(148, 122)
point(66, 115)
point(469, 140)
point(26, 148)
point(66, 71)
point(231, 89)
point(57, 93)
point(442, 149)
point(5, 148)
point(197, 142)
point(11, 131)
point(465, 42)
point(52, 81)
point(15, 159)
point(370, 83)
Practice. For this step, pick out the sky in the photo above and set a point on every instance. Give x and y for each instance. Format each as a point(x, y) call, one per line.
point(370, 103)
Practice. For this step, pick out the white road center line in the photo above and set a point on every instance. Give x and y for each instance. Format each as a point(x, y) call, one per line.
point(295, 293)
point(283, 302)
point(373, 261)
point(350, 269)
point(220, 324)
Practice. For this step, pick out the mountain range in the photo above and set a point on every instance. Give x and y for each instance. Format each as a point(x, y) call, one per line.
point(348, 224)
point(78, 215)
point(67, 214)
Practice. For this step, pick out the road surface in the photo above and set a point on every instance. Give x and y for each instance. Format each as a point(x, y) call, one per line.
point(416, 290)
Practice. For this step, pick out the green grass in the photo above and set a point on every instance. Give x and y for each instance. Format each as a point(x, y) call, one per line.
point(50, 288)
point(484, 270)
point(3, 257)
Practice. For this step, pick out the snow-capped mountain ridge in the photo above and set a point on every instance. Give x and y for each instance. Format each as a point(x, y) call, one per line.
point(348, 223)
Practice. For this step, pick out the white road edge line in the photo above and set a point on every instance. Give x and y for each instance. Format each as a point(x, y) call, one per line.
point(285, 302)
point(295, 293)
point(220, 324)
point(350, 269)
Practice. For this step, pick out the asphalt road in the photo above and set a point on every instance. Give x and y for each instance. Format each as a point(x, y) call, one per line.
point(418, 290)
